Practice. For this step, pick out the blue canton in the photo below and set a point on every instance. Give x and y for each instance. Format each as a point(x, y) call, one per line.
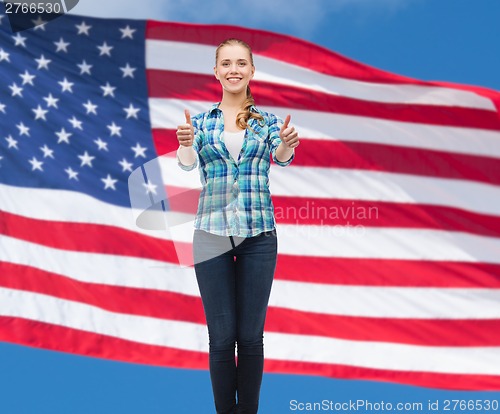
point(74, 106)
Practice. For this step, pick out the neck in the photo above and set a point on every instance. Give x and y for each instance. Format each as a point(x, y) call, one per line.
point(233, 101)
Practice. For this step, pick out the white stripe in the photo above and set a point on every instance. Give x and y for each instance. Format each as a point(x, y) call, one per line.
point(194, 337)
point(349, 184)
point(168, 113)
point(200, 59)
point(361, 301)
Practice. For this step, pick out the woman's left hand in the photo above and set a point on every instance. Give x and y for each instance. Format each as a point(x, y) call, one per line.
point(288, 135)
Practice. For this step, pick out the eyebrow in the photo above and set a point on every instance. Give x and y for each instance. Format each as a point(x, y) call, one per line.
point(239, 60)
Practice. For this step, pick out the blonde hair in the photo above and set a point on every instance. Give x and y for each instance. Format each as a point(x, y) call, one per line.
point(245, 114)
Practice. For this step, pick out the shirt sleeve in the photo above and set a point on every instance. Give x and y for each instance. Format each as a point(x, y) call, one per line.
point(196, 146)
point(275, 124)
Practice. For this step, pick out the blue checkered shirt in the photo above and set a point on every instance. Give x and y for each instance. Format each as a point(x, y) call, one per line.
point(235, 199)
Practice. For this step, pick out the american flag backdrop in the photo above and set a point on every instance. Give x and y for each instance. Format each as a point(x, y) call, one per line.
point(388, 218)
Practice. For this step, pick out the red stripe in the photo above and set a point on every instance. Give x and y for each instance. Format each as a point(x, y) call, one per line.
point(175, 306)
point(375, 157)
point(345, 212)
point(190, 86)
point(42, 335)
point(388, 272)
point(418, 378)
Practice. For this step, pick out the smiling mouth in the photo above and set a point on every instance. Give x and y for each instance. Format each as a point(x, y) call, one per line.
point(234, 80)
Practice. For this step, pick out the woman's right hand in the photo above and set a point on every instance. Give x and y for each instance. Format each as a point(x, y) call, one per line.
point(185, 132)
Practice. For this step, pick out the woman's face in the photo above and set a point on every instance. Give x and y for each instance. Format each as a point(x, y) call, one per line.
point(234, 69)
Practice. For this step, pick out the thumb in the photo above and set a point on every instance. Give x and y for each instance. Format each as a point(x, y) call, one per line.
point(287, 121)
point(188, 117)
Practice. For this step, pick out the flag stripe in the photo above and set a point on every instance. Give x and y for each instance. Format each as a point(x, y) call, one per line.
point(169, 113)
point(354, 212)
point(168, 84)
point(377, 157)
point(366, 185)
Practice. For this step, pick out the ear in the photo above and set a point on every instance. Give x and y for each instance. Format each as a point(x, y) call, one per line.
point(253, 72)
point(215, 73)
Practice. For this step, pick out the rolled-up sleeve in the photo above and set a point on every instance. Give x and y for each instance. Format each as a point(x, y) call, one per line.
point(275, 124)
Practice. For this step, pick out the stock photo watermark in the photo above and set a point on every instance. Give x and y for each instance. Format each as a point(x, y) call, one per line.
point(28, 14)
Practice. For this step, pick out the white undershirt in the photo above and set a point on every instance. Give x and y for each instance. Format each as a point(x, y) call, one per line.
point(234, 142)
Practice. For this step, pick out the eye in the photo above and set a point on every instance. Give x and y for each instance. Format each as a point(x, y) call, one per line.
point(225, 64)
point(243, 63)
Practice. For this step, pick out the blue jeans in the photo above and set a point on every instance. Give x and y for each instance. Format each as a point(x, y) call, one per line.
point(235, 279)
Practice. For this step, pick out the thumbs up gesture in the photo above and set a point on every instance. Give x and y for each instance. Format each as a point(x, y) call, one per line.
point(288, 135)
point(185, 132)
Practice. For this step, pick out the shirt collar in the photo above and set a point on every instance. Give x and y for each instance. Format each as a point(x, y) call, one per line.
point(215, 107)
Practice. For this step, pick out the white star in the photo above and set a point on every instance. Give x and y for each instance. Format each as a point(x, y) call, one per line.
point(114, 129)
point(105, 49)
point(127, 32)
point(51, 101)
point(35, 164)
point(23, 129)
point(4, 55)
point(2, 107)
point(39, 23)
point(66, 85)
point(86, 159)
point(131, 111)
point(47, 152)
point(108, 90)
point(62, 45)
point(101, 144)
point(43, 63)
point(150, 187)
point(76, 123)
point(40, 113)
point(128, 71)
point(12, 142)
point(71, 174)
point(90, 107)
point(16, 90)
point(126, 166)
point(20, 40)
point(63, 136)
point(83, 28)
point(27, 78)
point(84, 68)
point(109, 182)
point(139, 151)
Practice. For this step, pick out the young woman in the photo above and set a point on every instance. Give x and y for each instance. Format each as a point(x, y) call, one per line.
point(235, 246)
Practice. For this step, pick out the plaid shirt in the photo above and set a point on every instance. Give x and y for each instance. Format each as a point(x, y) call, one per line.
point(235, 199)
